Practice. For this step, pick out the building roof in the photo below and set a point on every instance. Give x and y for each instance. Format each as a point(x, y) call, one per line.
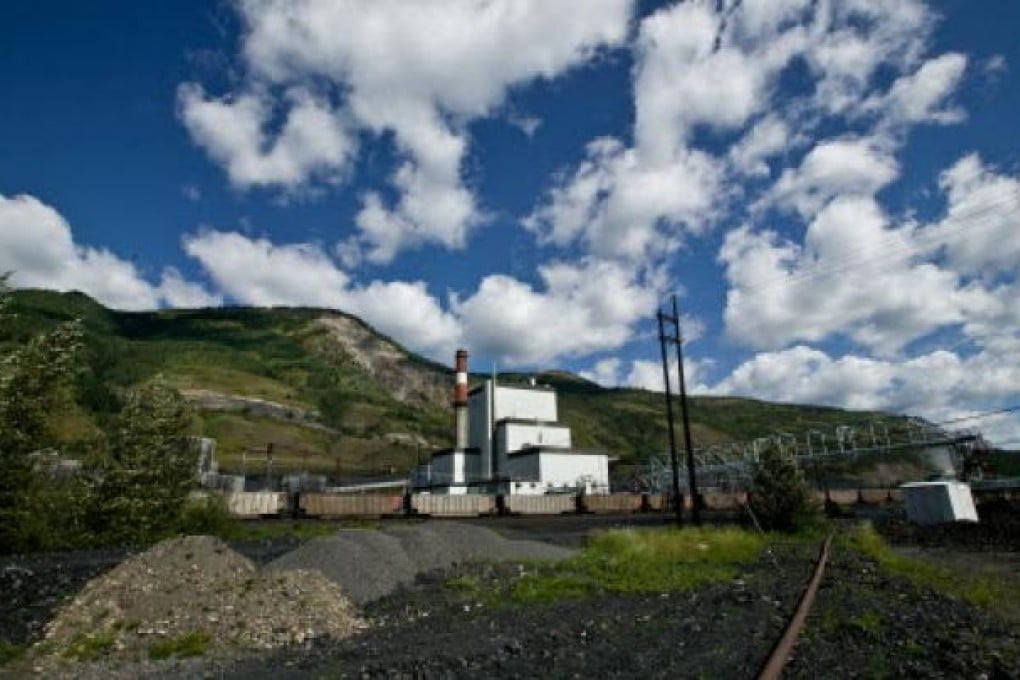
point(533, 388)
point(531, 421)
point(538, 449)
point(470, 451)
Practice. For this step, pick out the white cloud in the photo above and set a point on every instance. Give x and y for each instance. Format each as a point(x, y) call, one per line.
point(605, 372)
point(312, 142)
point(36, 243)
point(933, 385)
point(620, 208)
point(419, 70)
point(833, 168)
point(707, 71)
point(581, 309)
point(769, 136)
point(918, 97)
point(258, 272)
point(855, 274)
point(176, 291)
point(647, 375)
point(981, 230)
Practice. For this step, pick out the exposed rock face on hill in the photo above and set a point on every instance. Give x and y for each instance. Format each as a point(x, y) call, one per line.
point(210, 400)
point(409, 381)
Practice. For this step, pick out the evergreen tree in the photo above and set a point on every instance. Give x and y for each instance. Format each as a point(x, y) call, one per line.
point(142, 488)
point(780, 498)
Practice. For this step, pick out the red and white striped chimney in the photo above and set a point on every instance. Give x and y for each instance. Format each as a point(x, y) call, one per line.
point(460, 400)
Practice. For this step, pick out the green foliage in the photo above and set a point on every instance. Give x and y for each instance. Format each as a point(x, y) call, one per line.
point(9, 653)
point(90, 646)
point(189, 644)
point(207, 515)
point(34, 380)
point(642, 561)
point(780, 498)
point(144, 484)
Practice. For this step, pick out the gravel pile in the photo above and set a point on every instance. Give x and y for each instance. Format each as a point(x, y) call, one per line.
point(193, 587)
point(367, 565)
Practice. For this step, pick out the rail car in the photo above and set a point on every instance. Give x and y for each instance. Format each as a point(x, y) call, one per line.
point(325, 505)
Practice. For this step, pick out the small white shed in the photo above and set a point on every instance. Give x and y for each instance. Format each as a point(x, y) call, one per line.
point(938, 502)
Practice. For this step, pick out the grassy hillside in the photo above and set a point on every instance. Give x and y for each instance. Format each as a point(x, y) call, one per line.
point(333, 395)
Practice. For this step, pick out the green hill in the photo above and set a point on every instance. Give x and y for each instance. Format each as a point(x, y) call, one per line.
point(333, 395)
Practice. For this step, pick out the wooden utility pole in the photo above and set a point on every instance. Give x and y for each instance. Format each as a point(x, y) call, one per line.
point(677, 500)
point(677, 339)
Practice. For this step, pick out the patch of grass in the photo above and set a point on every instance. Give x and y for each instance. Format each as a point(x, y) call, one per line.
point(90, 646)
point(641, 561)
point(10, 652)
point(193, 643)
point(868, 622)
point(977, 589)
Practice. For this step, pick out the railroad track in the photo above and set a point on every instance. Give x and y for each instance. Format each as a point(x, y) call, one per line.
point(773, 666)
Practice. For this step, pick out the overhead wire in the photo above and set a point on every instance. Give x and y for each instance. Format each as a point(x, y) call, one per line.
point(983, 217)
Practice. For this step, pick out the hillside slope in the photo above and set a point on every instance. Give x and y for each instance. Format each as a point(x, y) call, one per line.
point(333, 395)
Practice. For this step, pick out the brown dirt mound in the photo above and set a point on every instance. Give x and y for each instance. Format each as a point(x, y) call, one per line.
point(193, 595)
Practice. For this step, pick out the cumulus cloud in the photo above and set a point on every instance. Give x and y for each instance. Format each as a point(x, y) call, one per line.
point(312, 142)
point(619, 207)
point(707, 73)
point(981, 229)
point(932, 385)
point(418, 71)
point(648, 375)
point(833, 168)
point(882, 285)
point(259, 272)
point(920, 96)
point(36, 244)
point(579, 309)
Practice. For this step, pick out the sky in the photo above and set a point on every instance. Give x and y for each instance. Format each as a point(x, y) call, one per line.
point(831, 187)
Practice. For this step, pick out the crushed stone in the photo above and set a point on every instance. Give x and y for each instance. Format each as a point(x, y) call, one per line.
point(367, 565)
point(193, 585)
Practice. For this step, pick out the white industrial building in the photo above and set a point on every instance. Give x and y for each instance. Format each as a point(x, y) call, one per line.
point(509, 440)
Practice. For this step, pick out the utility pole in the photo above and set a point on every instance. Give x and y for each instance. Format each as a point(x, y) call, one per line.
point(677, 501)
point(678, 340)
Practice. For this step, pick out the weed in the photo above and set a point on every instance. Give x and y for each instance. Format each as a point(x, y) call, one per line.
point(634, 561)
point(868, 622)
point(182, 646)
point(89, 646)
point(980, 590)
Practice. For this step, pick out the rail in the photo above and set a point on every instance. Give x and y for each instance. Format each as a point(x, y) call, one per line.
point(777, 658)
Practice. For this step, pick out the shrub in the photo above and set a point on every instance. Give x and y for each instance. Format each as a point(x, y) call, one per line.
point(780, 498)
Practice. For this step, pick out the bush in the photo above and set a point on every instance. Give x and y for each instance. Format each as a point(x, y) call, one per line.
point(780, 498)
point(208, 516)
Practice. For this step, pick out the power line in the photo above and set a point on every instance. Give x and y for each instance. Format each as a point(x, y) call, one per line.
point(980, 415)
point(980, 218)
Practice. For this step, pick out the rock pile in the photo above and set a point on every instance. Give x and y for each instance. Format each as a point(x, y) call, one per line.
point(367, 565)
point(196, 594)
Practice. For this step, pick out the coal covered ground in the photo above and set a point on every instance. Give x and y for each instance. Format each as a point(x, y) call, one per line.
point(865, 623)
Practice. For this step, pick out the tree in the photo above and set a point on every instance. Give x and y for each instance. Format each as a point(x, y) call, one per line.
point(143, 487)
point(780, 498)
point(34, 384)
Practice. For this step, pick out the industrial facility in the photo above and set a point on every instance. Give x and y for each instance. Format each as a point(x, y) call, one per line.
point(509, 441)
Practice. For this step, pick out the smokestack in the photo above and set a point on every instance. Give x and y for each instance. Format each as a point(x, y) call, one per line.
point(460, 401)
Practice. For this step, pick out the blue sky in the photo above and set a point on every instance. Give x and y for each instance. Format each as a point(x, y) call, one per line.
point(833, 187)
